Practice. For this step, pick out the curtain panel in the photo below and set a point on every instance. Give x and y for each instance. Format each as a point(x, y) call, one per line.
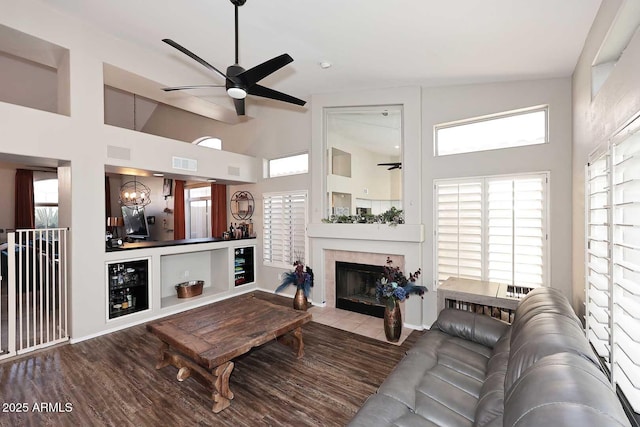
point(218, 209)
point(24, 206)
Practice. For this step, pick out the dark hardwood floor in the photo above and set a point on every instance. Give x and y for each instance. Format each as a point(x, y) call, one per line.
point(111, 380)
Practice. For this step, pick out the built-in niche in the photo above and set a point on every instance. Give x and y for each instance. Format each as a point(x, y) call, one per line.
point(132, 111)
point(340, 162)
point(35, 73)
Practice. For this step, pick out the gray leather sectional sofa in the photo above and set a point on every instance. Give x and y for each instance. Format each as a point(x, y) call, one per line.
point(473, 370)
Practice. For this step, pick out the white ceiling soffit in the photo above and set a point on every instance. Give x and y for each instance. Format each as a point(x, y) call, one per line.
point(371, 43)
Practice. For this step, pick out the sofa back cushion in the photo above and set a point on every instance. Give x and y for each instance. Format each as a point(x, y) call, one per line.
point(563, 389)
point(545, 324)
point(490, 406)
point(542, 300)
point(470, 326)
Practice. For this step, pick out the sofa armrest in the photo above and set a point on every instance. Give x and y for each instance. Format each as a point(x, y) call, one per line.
point(470, 326)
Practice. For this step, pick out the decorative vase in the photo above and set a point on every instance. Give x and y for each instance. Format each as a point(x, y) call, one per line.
point(300, 301)
point(392, 321)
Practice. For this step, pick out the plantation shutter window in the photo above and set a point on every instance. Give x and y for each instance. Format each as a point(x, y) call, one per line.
point(284, 228)
point(613, 260)
point(625, 201)
point(459, 243)
point(516, 230)
point(597, 257)
point(492, 228)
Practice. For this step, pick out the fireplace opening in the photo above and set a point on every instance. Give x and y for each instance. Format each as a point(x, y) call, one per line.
point(356, 288)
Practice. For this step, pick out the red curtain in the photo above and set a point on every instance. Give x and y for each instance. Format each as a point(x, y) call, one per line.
point(218, 209)
point(24, 206)
point(178, 211)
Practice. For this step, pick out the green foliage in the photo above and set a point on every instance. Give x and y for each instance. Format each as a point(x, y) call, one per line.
point(392, 217)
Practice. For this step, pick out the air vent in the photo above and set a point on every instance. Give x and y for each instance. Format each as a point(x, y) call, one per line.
point(232, 170)
point(185, 164)
point(121, 153)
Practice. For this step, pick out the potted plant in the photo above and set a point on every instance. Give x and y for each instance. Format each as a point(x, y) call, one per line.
point(394, 287)
point(302, 278)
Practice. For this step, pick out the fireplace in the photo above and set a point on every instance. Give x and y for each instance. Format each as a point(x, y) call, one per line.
point(356, 288)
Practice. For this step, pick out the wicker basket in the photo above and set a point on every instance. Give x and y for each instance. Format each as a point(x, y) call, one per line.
point(189, 289)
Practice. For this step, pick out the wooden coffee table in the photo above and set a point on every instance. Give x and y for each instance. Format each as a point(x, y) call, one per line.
point(202, 342)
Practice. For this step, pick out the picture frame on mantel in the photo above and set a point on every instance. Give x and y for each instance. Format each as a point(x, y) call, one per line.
point(167, 187)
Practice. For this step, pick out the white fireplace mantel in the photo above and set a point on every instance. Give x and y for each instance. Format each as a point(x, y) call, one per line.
point(410, 233)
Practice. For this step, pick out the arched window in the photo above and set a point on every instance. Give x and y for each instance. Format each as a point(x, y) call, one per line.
point(209, 141)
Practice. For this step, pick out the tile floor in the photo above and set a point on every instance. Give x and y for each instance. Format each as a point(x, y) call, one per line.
point(354, 322)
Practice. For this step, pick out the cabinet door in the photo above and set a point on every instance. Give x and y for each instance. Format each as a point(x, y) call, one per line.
point(127, 287)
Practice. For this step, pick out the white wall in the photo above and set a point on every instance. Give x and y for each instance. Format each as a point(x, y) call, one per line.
point(447, 104)
point(81, 141)
point(596, 120)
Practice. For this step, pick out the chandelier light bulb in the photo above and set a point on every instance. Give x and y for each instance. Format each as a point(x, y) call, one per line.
point(133, 195)
point(126, 195)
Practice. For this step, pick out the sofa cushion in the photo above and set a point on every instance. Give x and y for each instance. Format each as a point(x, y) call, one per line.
point(381, 410)
point(490, 407)
point(540, 301)
point(563, 389)
point(470, 326)
point(544, 335)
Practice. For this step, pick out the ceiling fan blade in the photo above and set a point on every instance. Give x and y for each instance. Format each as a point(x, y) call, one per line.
point(259, 72)
point(265, 92)
point(194, 57)
point(169, 89)
point(239, 104)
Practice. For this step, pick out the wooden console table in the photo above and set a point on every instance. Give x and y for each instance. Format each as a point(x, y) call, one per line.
point(479, 296)
point(202, 342)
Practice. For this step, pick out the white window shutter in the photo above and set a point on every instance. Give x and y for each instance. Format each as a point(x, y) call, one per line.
point(492, 228)
point(516, 230)
point(625, 224)
point(284, 228)
point(597, 257)
point(459, 230)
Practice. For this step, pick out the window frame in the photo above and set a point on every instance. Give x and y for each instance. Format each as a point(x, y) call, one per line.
point(484, 181)
point(488, 118)
point(269, 167)
point(209, 207)
point(46, 177)
point(282, 263)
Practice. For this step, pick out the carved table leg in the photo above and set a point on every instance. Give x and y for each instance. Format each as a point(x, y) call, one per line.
point(221, 394)
point(163, 356)
point(294, 340)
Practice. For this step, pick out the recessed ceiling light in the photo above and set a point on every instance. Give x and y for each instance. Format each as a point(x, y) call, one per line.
point(396, 146)
point(211, 180)
point(325, 64)
point(158, 175)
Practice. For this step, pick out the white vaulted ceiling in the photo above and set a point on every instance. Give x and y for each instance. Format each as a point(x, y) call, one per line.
point(370, 43)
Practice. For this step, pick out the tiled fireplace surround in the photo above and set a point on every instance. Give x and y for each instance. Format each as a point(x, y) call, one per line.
point(367, 244)
point(331, 256)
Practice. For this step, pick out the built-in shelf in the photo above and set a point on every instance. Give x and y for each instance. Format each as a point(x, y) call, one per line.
point(244, 266)
point(127, 287)
point(207, 294)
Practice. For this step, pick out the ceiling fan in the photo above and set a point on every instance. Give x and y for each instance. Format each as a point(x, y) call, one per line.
point(240, 82)
point(392, 165)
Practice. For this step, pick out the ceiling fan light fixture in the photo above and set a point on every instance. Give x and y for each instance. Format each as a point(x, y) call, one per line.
point(237, 93)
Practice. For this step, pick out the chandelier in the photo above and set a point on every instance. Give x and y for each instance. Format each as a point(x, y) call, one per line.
point(134, 193)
